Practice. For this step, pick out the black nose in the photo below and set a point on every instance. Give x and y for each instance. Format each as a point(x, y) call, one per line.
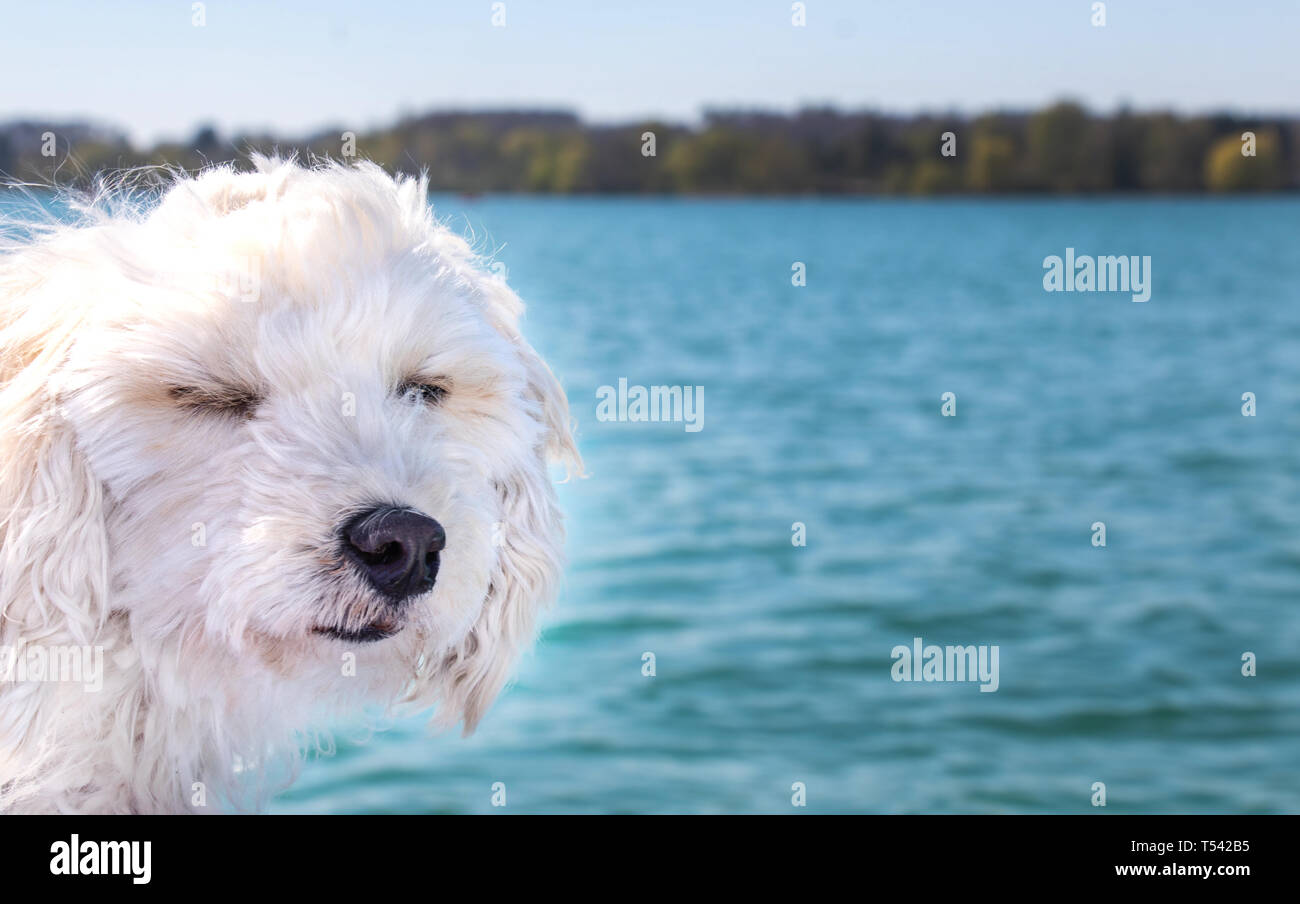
point(395, 549)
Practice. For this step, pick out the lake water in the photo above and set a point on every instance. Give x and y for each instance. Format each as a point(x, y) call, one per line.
point(1119, 664)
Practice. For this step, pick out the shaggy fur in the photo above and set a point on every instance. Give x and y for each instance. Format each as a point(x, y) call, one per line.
point(193, 399)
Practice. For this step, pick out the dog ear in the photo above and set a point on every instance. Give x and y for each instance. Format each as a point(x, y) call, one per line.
point(531, 539)
point(529, 562)
point(545, 391)
point(53, 541)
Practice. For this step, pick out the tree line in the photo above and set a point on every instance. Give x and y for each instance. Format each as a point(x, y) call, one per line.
point(1062, 149)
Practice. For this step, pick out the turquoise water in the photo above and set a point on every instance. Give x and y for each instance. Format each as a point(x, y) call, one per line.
point(1119, 664)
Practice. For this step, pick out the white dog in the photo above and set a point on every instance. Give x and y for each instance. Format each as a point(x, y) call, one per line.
point(273, 449)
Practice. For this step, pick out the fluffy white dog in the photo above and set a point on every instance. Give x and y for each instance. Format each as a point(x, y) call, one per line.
point(274, 448)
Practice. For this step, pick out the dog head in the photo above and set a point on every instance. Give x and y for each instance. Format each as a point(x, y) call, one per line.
point(281, 417)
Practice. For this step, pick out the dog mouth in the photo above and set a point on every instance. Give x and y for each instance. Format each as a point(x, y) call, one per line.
point(379, 629)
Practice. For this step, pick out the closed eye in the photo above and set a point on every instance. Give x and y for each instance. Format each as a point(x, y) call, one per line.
point(428, 392)
point(221, 399)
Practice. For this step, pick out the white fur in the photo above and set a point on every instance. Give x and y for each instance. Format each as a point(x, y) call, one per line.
point(212, 670)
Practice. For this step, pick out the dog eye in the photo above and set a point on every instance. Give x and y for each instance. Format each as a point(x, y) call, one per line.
point(228, 400)
point(428, 393)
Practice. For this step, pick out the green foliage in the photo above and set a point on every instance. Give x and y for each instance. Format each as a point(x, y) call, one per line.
point(993, 164)
point(1228, 169)
point(1060, 149)
point(1067, 150)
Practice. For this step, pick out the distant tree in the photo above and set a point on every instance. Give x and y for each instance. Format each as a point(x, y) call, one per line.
point(710, 161)
point(205, 140)
point(937, 176)
point(993, 166)
point(1173, 153)
point(1228, 170)
point(1066, 153)
point(1124, 142)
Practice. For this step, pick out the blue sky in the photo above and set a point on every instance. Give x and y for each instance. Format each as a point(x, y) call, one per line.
point(293, 66)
